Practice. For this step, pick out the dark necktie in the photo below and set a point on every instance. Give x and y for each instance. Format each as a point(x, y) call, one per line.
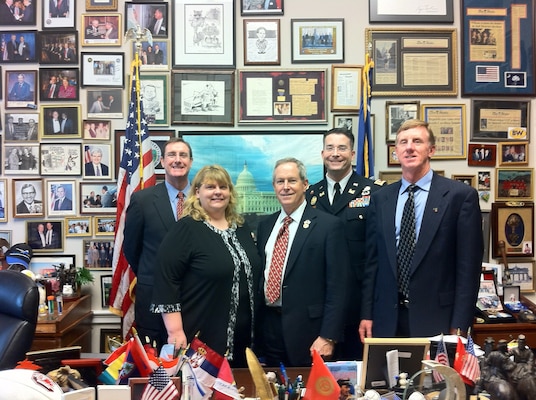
point(406, 243)
point(180, 204)
point(273, 286)
point(336, 193)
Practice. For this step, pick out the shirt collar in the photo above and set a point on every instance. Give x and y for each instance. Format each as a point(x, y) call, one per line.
point(424, 183)
point(173, 192)
point(342, 182)
point(296, 215)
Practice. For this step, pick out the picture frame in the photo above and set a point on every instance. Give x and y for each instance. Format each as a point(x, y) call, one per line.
point(346, 87)
point(202, 97)
point(111, 103)
point(95, 65)
point(110, 335)
point(348, 121)
point(500, 120)
point(21, 159)
point(512, 223)
point(447, 121)
point(254, 8)
point(522, 274)
point(484, 181)
point(396, 52)
point(59, 84)
point(145, 15)
point(51, 53)
point(511, 294)
point(60, 121)
point(98, 162)
point(102, 29)
point(498, 48)
point(106, 287)
point(20, 15)
point(26, 205)
point(40, 243)
point(21, 89)
point(189, 50)
point(20, 127)
point(155, 89)
point(104, 260)
point(265, 96)
point(62, 17)
point(513, 153)
point(61, 199)
point(6, 235)
point(396, 113)
point(104, 226)
point(44, 263)
point(159, 139)
point(262, 42)
point(78, 226)
point(386, 11)
point(469, 180)
point(157, 58)
point(514, 184)
point(482, 155)
point(89, 203)
point(392, 158)
point(11, 51)
point(101, 5)
point(390, 176)
point(317, 40)
point(3, 204)
point(96, 129)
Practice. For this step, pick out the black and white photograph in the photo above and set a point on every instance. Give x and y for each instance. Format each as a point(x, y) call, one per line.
point(97, 161)
point(28, 198)
point(18, 46)
point(59, 14)
point(396, 113)
point(61, 159)
point(45, 235)
point(21, 89)
point(60, 121)
point(98, 198)
point(102, 29)
point(61, 199)
point(59, 84)
point(21, 127)
point(58, 47)
point(21, 159)
point(104, 103)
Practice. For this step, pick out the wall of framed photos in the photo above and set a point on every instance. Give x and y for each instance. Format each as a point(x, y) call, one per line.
point(291, 69)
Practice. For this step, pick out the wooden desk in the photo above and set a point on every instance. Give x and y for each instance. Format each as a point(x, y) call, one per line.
point(71, 328)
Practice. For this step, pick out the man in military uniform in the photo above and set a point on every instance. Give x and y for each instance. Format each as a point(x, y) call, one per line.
point(346, 194)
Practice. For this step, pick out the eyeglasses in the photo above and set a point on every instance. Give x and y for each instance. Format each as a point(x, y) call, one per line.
point(340, 149)
point(175, 155)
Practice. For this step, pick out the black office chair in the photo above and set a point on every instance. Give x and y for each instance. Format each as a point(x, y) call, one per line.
point(19, 301)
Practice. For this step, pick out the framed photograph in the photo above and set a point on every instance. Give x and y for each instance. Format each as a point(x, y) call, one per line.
point(500, 120)
point(396, 113)
point(484, 155)
point(98, 253)
point(98, 197)
point(262, 42)
point(104, 103)
point(60, 121)
point(44, 236)
point(152, 15)
point(21, 159)
point(103, 29)
point(59, 15)
point(21, 127)
point(511, 294)
point(448, 124)
point(192, 46)
point(522, 274)
point(261, 7)
point(514, 225)
point(513, 154)
point(110, 339)
point(514, 184)
point(19, 46)
point(61, 159)
point(413, 62)
point(392, 158)
point(97, 161)
point(159, 139)
point(155, 56)
point(346, 87)
point(387, 11)
point(78, 226)
point(21, 89)
point(19, 14)
point(348, 121)
point(469, 180)
point(3, 203)
point(154, 89)
point(203, 97)
point(44, 264)
point(96, 129)
point(282, 96)
point(58, 47)
point(104, 226)
point(28, 198)
point(103, 69)
point(390, 176)
point(59, 84)
point(106, 287)
point(317, 40)
point(484, 181)
point(101, 5)
point(498, 48)
point(6, 235)
point(61, 198)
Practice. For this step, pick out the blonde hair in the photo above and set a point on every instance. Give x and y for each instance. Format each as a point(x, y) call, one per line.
point(212, 174)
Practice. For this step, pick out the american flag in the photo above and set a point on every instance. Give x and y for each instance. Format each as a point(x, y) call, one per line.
point(442, 358)
point(160, 387)
point(487, 74)
point(136, 172)
point(470, 368)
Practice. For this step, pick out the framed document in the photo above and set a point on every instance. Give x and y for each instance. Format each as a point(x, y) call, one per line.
point(427, 11)
point(500, 120)
point(346, 87)
point(514, 224)
point(103, 69)
point(448, 124)
point(413, 62)
point(498, 48)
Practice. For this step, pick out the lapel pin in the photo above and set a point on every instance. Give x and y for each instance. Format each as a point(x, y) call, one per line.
point(435, 209)
point(322, 194)
point(306, 224)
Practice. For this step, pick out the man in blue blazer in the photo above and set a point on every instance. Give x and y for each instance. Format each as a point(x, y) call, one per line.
point(308, 309)
point(444, 272)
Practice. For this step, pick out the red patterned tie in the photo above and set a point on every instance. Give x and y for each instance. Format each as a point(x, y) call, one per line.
point(273, 287)
point(180, 204)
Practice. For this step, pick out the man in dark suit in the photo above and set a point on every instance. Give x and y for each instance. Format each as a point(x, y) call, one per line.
point(12, 47)
point(95, 167)
point(21, 90)
point(158, 24)
point(29, 205)
point(303, 290)
point(346, 194)
point(52, 89)
point(58, 8)
point(52, 238)
point(61, 202)
point(440, 273)
point(150, 215)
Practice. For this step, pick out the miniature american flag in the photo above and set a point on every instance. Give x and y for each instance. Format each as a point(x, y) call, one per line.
point(160, 386)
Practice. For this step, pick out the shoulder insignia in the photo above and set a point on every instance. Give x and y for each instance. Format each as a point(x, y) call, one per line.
point(379, 182)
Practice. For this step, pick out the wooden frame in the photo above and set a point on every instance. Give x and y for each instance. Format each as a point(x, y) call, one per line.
point(481, 155)
point(68, 204)
point(104, 226)
point(396, 113)
point(104, 29)
point(59, 18)
point(155, 90)
point(94, 63)
point(447, 121)
point(499, 120)
point(317, 40)
point(275, 102)
point(43, 263)
point(96, 129)
point(484, 181)
point(71, 129)
point(50, 54)
point(34, 241)
point(262, 42)
point(514, 184)
point(105, 336)
point(396, 52)
point(20, 209)
point(104, 261)
point(11, 53)
point(58, 77)
point(17, 96)
point(88, 206)
point(469, 180)
point(513, 154)
point(346, 87)
point(392, 158)
point(106, 287)
point(203, 97)
point(101, 5)
point(190, 47)
point(498, 48)
point(3, 202)
point(411, 12)
point(25, 127)
point(78, 226)
point(21, 159)
point(254, 8)
point(513, 224)
point(61, 159)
